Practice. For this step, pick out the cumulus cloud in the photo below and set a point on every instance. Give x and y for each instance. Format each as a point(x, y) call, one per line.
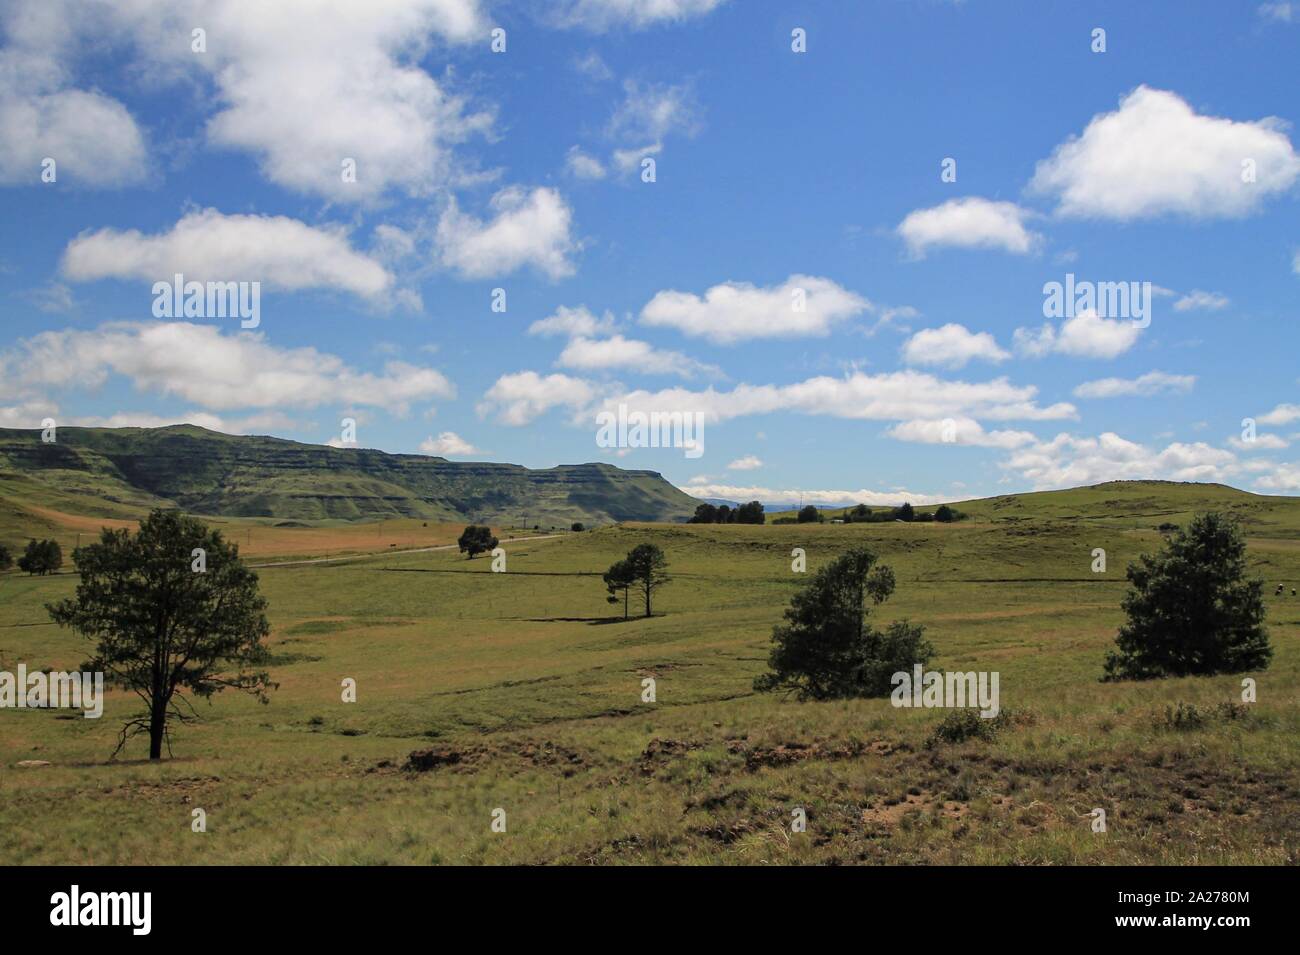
point(608, 354)
point(951, 346)
point(92, 138)
point(215, 371)
point(206, 245)
point(749, 462)
point(958, 431)
point(971, 223)
point(1069, 461)
point(1152, 383)
point(528, 229)
point(1196, 299)
point(1261, 442)
point(1084, 336)
point(573, 323)
point(448, 444)
point(738, 311)
point(1156, 156)
point(518, 399)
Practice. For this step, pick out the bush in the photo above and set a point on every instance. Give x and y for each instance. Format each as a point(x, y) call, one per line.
point(6, 558)
point(577, 526)
point(1191, 610)
point(961, 725)
point(1189, 716)
point(809, 515)
point(41, 557)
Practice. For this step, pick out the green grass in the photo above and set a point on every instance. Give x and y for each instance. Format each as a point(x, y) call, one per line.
point(531, 683)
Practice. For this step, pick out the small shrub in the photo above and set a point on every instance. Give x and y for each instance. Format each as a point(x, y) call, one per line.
point(962, 725)
point(1188, 716)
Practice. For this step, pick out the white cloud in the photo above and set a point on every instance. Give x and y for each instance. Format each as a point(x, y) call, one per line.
point(649, 114)
point(749, 462)
point(600, 15)
point(737, 311)
point(206, 245)
point(606, 354)
point(529, 229)
point(250, 424)
point(1281, 477)
point(1261, 442)
point(651, 111)
point(951, 346)
point(970, 223)
point(818, 496)
point(1069, 461)
point(92, 138)
point(1196, 299)
point(448, 444)
point(894, 396)
point(582, 166)
point(626, 160)
point(1084, 336)
point(1156, 156)
point(1152, 383)
point(518, 399)
point(302, 88)
point(958, 431)
point(573, 322)
point(898, 396)
point(1282, 414)
point(215, 371)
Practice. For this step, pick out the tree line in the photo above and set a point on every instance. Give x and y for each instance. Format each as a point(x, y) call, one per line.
point(751, 513)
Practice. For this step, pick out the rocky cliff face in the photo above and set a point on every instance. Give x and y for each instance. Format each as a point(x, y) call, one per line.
point(205, 472)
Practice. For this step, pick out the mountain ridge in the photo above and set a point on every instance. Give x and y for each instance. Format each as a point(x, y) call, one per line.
point(207, 472)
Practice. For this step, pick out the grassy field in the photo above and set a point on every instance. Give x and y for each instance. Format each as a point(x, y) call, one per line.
point(526, 688)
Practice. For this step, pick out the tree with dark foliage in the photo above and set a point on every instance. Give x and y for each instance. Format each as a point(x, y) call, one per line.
point(643, 570)
point(619, 577)
point(827, 650)
point(1192, 610)
point(6, 558)
point(41, 557)
point(167, 622)
point(476, 540)
point(809, 515)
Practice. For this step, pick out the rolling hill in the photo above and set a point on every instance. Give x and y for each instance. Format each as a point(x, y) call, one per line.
point(120, 472)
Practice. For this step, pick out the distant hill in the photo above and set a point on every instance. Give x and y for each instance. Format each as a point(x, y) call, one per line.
point(1139, 504)
point(112, 472)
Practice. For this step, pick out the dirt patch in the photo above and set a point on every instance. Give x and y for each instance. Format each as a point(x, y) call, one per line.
point(438, 757)
point(891, 813)
point(544, 755)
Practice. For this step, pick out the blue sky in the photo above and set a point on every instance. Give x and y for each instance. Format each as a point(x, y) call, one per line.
point(922, 364)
